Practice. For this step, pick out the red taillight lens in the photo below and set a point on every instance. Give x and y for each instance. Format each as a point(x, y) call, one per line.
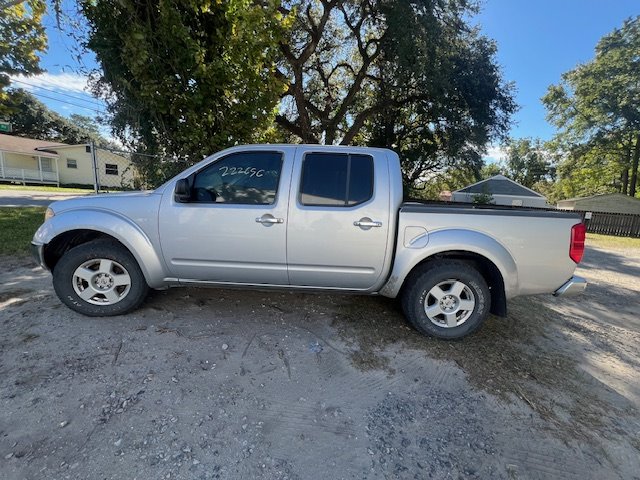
point(576, 249)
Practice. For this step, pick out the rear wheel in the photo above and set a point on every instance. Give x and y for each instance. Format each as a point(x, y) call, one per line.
point(99, 278)
point(446, 299)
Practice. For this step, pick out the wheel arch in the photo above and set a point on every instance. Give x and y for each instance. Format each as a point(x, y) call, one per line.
point(72, 228)
point(487, 255)
point(483, 265)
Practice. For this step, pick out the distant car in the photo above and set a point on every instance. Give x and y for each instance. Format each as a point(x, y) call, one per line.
point(307, 218)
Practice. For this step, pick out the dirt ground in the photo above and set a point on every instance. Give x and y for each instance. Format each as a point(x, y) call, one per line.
point(227, 384)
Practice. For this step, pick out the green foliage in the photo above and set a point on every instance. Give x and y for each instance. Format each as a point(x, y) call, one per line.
point(484, 198)
point(581, 174)
point(595, 108)
point(409, 75)
point(186, 78)
point(489, 170)
point(22, 37)
point(446, 88)
point(528, 162)
point(448, 179)
point(33, 119)
point(153, 171)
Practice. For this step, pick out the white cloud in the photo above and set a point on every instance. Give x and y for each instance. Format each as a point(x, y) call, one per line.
point(495, 154)
point(63, 82)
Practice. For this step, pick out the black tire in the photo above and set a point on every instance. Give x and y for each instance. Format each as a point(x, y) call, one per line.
point(67, 284)
point(422, 284)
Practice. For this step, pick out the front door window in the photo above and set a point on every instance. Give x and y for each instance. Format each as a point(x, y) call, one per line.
point(246, 178)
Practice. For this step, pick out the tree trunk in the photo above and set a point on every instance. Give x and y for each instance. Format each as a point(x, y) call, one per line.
point(634, 168)
point(624, 177)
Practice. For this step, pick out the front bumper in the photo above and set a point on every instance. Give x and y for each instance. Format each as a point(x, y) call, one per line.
point(574, 286)
point(37, 252)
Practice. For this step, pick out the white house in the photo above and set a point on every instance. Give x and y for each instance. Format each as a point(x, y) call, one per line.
point(503, 191)
point(28, 160)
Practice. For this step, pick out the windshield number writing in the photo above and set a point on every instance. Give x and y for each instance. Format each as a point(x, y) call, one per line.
point(249, 171)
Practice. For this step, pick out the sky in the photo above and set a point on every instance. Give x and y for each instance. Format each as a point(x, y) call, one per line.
point(537, 41)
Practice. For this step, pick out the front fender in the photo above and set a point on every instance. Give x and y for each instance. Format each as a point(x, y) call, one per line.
point(111, 223)
point(451, 240)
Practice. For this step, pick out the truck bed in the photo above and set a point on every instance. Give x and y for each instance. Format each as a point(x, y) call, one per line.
point(533, 244)
point(417, 206)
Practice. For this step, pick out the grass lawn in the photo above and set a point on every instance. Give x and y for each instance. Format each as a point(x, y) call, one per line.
point(44, 188)
point(17, 226)
point(609, 241)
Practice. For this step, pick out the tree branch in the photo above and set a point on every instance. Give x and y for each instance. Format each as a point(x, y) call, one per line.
point(296, 129)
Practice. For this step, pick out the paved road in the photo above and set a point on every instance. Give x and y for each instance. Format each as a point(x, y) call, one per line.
point(32, 198)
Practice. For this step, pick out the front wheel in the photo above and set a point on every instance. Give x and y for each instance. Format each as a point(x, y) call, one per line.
point(446, 299)
point(99, 279)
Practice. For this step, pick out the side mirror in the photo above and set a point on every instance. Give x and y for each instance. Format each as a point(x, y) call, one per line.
point(182, 192)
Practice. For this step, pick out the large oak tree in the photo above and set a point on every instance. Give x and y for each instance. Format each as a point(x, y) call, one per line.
point(404, 74)
point(187, 78)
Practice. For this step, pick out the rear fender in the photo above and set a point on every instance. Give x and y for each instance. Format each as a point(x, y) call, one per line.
point(451, 240)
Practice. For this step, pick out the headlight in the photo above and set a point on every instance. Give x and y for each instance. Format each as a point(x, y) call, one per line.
point(48, 214)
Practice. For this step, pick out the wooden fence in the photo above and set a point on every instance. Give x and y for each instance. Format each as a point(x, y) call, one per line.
point(618, 224)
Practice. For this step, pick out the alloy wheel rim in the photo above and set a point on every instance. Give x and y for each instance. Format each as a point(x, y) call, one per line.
point(449, 304)
point(101, 281)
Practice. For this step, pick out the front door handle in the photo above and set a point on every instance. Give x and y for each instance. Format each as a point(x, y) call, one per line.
point(367, 223)
point(267, 219)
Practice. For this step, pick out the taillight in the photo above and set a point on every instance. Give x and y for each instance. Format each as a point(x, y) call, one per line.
point(576, 249)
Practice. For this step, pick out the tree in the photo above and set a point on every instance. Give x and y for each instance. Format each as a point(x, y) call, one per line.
point(22, 37)
point(490, 170)
point(585, 171)
point(528, 162)
point(31, 118)
point(186, 78)
point(409, 75)
point(595, 108)
point(449, 178)
point(85, 123)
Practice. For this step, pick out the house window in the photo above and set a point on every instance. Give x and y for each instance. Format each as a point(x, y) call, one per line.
point(71, 163)
point(111, 169)
point(46, 164)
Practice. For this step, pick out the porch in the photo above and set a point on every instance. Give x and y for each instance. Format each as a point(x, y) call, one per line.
point(17, 167)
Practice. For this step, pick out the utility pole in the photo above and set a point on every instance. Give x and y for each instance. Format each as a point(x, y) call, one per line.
point(94, 161)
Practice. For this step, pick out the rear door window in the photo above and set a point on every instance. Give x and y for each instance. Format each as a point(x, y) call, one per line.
point(336, 179)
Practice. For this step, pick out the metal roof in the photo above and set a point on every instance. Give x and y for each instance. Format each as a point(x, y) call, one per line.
point(500, 185)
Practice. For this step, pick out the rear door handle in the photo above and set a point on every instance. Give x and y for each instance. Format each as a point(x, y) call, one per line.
point(268, 219)
point(367, 223)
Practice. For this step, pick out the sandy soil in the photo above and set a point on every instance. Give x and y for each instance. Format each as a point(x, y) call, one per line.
point(235, 384)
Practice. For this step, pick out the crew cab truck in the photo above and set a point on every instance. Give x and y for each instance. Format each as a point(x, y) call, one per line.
point(307, 217)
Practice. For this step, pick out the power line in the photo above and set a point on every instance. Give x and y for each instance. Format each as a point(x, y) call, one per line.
point(93, 101)
point(68, 103)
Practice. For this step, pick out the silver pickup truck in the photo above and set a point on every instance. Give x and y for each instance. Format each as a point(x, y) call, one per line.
point(307, 217)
